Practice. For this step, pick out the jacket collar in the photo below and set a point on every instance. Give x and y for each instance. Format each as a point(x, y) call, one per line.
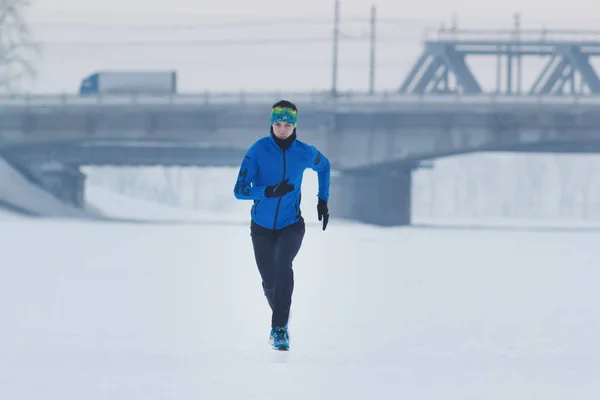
point(284, 144)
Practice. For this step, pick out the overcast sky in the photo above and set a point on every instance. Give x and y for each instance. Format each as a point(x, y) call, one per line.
point(204, 40)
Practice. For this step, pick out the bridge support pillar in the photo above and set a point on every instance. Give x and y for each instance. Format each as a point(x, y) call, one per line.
point(375, 196)
point(65, 182)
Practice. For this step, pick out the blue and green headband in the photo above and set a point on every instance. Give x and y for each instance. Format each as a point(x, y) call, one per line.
point(284, 114)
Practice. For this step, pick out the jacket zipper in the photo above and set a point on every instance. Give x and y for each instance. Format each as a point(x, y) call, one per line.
point(279, 200)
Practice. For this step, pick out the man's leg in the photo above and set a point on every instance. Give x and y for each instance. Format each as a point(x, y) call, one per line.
point(287, 246)
point(263, 241)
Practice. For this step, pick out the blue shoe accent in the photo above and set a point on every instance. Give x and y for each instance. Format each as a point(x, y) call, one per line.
point(280, 338)
point(272, 336)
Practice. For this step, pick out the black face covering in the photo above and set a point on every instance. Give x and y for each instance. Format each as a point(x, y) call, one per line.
point(284, 143)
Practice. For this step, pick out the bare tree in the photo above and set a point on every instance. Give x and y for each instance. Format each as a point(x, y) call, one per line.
point(17, 50)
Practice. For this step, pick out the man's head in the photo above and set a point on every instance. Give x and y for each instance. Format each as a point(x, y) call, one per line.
point(284, 119)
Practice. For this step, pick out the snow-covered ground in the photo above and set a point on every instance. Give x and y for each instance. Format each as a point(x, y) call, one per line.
point(17, 191)
point(9, 215)
point(118, 205)
point(94, 310)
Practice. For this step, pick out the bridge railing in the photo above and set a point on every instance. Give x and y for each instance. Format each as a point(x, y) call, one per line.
point(504, 35)
point(304, 98)
point(180, 98)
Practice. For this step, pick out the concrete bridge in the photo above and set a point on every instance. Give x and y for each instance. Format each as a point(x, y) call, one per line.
point(373, 141)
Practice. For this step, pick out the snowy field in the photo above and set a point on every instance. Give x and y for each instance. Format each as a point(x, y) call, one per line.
point(94, 310)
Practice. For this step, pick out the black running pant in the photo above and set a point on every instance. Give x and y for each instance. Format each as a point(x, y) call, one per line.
point(274, 252)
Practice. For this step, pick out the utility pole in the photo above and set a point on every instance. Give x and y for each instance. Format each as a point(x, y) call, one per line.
point(372, 66)
point(336, 37)
point(519, 58)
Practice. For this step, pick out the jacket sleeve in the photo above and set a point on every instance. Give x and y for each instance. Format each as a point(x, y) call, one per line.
point(244, 186)
point(320, 164)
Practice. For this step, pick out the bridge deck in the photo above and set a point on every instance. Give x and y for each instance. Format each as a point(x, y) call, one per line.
point(356, 100)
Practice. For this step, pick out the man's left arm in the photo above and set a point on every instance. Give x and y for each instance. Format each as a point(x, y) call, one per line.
point(321, 165)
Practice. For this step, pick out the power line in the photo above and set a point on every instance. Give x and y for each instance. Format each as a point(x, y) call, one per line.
point(191, 43)
point(224, 42)
point(246, 17)
point(186, 26)
point(138, 13)
point(223, 25)
point(265, 67)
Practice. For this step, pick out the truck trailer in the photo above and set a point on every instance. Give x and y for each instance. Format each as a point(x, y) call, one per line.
point(161, 83)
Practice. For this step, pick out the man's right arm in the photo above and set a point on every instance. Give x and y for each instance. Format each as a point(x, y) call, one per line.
point(244, 186)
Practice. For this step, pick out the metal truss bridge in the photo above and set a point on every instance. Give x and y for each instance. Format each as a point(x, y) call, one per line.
point(443, 67)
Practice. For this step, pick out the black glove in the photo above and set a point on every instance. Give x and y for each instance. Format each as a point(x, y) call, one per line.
point(323, 212)
point(279, 190)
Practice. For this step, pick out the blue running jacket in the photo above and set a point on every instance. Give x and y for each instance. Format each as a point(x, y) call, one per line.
point(266, 164)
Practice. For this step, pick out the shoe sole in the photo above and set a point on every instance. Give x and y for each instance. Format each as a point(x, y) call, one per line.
point(280, 348)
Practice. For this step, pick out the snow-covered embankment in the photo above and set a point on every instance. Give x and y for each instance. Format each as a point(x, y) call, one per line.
point(18, 194)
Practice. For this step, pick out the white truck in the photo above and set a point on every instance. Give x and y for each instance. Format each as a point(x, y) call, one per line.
point(161, 83)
